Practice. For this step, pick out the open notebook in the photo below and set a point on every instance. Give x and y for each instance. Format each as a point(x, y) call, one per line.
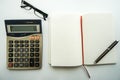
point(79, 39)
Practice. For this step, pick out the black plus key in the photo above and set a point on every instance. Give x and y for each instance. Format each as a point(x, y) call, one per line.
point(31, 62)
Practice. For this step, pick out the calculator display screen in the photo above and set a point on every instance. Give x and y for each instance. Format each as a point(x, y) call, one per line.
point(23, 28)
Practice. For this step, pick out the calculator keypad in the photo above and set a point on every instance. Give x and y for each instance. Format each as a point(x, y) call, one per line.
point(24, 54)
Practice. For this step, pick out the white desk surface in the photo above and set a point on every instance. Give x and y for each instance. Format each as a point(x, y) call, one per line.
point(10, 9)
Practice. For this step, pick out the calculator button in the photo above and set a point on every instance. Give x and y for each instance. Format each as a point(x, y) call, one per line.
point(36, 45)
point(21, 64)
point(31, 45)
point(21, 45)
point(10, 60)
point(16, 64)
point(37, 41)
point(31, 49)
point(26, 59)
point(26, 45)
point(21, 59)
point(31, 41)
point(16, 41)
point(21, 41)
point(10, 45)
point(36, 54)
point(10, 49)
point(21, 49)
point(21, 54)
point(10, 65)
point(26, 55)
point(36, 64)
point(16, 45)
point(32, 37)
point(36, 49)
point(31, 54)
point(10, 41)
point(26, 49)
point(16, 54)
point(10, 54)
point(36, 59)
point(26, 41)
point(16, 59)
point(31, 64)
point(16, 49)
point(31, 60)
point(37, 37)
point(26, 64)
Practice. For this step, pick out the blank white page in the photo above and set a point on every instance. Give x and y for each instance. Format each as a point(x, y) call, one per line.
point(98, 32)
point(65, 40)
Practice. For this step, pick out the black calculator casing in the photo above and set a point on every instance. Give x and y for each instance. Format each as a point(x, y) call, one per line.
point(24, 49)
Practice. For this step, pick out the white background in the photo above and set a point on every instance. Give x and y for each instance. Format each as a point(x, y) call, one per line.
point(10, 9)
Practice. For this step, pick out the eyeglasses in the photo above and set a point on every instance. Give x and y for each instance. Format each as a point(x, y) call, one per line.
point(28, 6)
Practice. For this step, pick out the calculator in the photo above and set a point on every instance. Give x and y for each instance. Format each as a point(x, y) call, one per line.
point(24, 44)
